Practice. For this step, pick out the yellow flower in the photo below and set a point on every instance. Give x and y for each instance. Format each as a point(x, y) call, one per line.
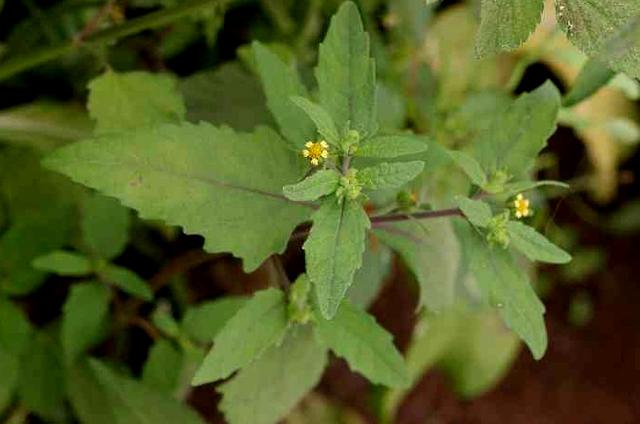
point(521, 205)
point(316, 152)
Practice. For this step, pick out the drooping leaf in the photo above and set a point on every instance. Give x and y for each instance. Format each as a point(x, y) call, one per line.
point(223, 185)
point(280, 82)
point(203, 322)
point(63, 263)
point(346, 74)
point(163, 367)
point(135, 403)
point(470, 166)
point(256, 327)
point(89, 400)
point(593, 76)
point(126, 101)
point(432, 253)
point(276, 382)
point(477, 212)
point(506, 24)
point(507, 288)
point(320, 184)
point(522, 186)
point(84, 318)
point(368, 348)
point(15, 329)
point(391, 146)
point(105, 226)
point(127, 280)
point(324, 123)
point(333, 250)
point(516, 136)
point(534, 245)
point(389, 175)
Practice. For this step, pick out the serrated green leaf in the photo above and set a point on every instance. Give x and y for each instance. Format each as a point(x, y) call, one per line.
point(203, 322)
point(10, 372)
point(477, 212)
point(470, 166)
point(507, 288)
point(391, 146)
point(127, 280)
point(280, 82)
point(604, 29)
point(420, 245)
point(41, 387)
point(386, 176)
point(368, 280)
point(516, 136)
point(333, 250)
point(506, 24)
point(84, 318)
point(105, 226)
point(256, 327)
point(593, 76)
point(323, 121)
point(163, 367)
point(346, 74)
point(64, 263)
point(534, 245)
point(134, 403)
point(89, 400)
point(213, 181)
point(126, 101)
point(320, 184)
point(276, 382)
point(522, 186)
point(368, 348)
point(15, 329)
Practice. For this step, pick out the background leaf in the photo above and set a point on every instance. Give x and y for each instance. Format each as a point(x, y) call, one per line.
point(127, 280)
point(105, 226)
point(64, 263)
point(203, 322)
point(163, 367)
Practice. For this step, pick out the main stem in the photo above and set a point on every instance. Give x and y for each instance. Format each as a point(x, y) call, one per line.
point(134, 26)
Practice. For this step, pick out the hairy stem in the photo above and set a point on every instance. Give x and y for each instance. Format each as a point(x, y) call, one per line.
point(153, 20)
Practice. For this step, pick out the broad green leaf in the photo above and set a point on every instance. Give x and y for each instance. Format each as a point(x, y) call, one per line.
point(41, 388)
point(386, 176)
point(506, 24)
point(64, 263)
point(368, 348)
point(421, 245)
point(604, 28)
point(477, 212)
point(15, 329)
point(507, 288)
point(135, 403)
point(368, 280)
point(470, 166)
point(276, 382)
point(125, 101)
point(346, 74)
point(320, 184)
point(593, 76)
point(127, 281)
point(105, 226)
point(203, 322)
point(534, 245)
point(89, 400)
point(163, 367)
point(213, 181)
point(516, 136)
point(228, 95)
point(522, 186)
point(333, 250)
point(84, 318)
point(320, 117)
point(256, 327)
point(391, 146)
point(10, 372)
point(44, 125)
point(280, 82)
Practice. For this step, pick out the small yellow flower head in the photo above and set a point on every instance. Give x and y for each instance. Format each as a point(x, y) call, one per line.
point(521, 205)
point(316, 152)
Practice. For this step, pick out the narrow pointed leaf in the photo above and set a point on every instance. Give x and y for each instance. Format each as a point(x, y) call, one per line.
point(389, 175)
point(64, 263)
point(534, 245)
point(593, 76)
point(477, 212)
point(324, 122)
point(312, 188)
point(470, 166)
point(522, 186)
point(128, 281)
